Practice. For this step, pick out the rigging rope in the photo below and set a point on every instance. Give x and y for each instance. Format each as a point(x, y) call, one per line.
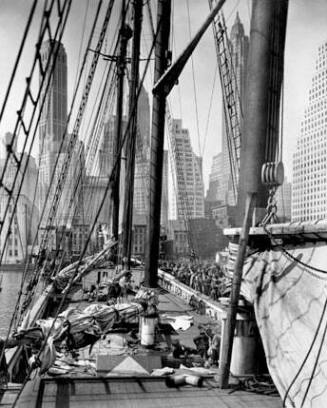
point(209, 111)
point(110, 180)
point(84, 152)
point(17, 61)
point(174, 158)
point(64, 12)
point(36, 272)
point(193, 78)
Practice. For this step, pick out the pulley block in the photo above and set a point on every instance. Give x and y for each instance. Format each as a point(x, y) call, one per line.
point(272, 174)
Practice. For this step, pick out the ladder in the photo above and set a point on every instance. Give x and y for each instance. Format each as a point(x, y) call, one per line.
point(231, 98)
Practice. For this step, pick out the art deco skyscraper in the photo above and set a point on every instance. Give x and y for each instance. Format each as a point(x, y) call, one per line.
point(54, 114)
point(53, 118)
point(309, 193)
point(239, 46)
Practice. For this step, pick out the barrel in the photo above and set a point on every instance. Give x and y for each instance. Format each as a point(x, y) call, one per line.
point(147, 330)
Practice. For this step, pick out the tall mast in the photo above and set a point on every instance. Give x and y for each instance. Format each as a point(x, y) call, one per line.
point(259, 92)
point(125, 34)
point(157, 144)
point(132, 133)
point(164, 81)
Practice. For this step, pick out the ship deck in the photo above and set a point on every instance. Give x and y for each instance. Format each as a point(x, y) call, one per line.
point(112, 388)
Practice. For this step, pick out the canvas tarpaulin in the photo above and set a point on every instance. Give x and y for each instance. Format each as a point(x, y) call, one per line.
point(290, 305)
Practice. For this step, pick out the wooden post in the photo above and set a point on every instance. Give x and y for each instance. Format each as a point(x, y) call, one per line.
point(227, 343)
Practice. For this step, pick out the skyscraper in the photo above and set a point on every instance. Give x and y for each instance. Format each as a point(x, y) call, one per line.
point(309, 160)
point(239, 47)
point(187, 189)
point(142, 168)
point(53, 117)
point(25, 216)
point(215, 178)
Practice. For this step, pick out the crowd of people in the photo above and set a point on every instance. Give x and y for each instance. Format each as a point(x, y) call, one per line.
point(207, 278)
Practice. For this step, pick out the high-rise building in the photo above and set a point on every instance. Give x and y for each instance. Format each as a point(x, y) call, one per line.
point(215, 178)
point(142, 158)
point(239, 46)
point(54, 114)
point(53, 118)
point(309, 160)
point(284, 201)
point(24, 216)
point(186, 199)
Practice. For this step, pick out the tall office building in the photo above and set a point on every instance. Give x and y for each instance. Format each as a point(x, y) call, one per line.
point(53, 117)
point(239, 46)
point(142, 159)
point(54, 114)
point(25, 215)
point(186, 199)
point(309, 160)
point(215, 178)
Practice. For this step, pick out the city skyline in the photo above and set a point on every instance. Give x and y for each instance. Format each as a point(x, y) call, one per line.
point(302, 40)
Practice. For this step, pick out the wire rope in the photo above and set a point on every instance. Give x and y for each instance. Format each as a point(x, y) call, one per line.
point(193, 79)
point(209, 111)
point(62, 301)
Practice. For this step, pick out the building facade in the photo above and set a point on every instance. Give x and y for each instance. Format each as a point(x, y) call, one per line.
point(52, 126)
point(186, 200)
point(239, 47)
point(309, 193)
point(25, 216)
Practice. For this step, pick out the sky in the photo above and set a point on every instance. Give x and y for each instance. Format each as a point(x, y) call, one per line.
point(306, 30)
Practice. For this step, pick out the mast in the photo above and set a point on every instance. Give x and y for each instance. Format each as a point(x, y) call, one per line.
point(125, 35)
point(258, 96)
point(157, 144)
point(132, 133)
point(163, 84)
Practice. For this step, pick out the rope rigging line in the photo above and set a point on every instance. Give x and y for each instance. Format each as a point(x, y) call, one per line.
point(193, 79)
point(288, 254)
point(110, 180)
point(82, 40)
point(78, 121)
point(60, 29)
point(307, 354)
point(174, 157)
point(17, 61)
point(209, 111)
point(44, 29)
point(175, 53)
point(232, 105)
point(22, 161)
point(74, 136)
point(43, 86)
point(79, 177)
point(76, 192)
point(36, 272)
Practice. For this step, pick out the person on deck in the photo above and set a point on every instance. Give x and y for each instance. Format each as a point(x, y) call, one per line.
point(202, 344)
